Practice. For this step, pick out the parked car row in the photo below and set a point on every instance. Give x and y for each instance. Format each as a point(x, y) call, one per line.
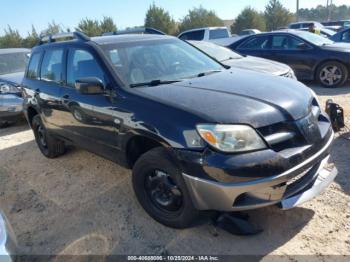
point(311, 56)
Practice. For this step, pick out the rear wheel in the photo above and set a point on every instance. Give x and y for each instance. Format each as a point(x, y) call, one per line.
point(332, 74)
point(161, 190)
point(49, 146)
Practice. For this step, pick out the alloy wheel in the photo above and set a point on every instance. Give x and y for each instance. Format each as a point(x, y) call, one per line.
point(331, 75)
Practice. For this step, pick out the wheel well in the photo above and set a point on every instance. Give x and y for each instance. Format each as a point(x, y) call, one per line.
point(31, 113)
point(137, 146)
point(326, 61)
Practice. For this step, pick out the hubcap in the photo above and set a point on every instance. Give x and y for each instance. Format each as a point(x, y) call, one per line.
point(42, 136)
point(331, 75)
point(78, 115)
point(163, 192)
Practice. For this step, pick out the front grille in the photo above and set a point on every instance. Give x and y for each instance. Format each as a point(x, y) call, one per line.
point(307, 131)
point(297, 184)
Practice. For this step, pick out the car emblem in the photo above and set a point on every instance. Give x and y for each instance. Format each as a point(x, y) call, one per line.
point(309, 128)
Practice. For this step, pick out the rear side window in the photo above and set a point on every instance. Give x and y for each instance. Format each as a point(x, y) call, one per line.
point(255, 43)
point(195, 35)
point(218, 33)
point(285, 42)
point(33, 66)
point(346, 36)
point(51, 67)
point(294, 26)
point(81, 64)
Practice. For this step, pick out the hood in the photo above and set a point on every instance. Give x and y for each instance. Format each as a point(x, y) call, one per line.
point(342, 47)
point(259, 64)
point(14, 78)
point(237, 96)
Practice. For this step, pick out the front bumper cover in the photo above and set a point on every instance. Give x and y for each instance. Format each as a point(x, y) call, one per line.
point(290, 188)
point(11, 106)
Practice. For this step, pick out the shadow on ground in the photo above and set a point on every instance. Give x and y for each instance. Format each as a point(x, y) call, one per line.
point(83, 204)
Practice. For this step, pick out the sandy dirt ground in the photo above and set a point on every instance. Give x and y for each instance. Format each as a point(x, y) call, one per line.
point(83, 204)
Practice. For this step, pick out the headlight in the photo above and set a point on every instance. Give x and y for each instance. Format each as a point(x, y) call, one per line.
point(292, 74)
point(8, 88)
point(231, 138)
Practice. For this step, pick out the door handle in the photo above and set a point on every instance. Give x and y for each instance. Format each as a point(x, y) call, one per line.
point(65, 97)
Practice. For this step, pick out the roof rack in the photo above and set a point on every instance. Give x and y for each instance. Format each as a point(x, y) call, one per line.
point(138, 30)
point(51, 38)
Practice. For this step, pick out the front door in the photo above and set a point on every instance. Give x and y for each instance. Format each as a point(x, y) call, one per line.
point(89, 118)
point(294, 52)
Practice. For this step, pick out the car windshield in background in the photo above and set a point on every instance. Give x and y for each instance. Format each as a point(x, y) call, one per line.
point(314, 39)
point(328, 31)
point(13, 62)
point(158, 61)
point(218, 33)
point(218, 52)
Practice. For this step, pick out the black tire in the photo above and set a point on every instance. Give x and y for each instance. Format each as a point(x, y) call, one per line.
point(49, 146)
point(159, 160)
point(4, 124)
point(337, 74)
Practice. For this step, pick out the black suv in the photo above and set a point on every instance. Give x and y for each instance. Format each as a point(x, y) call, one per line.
point(197, 135)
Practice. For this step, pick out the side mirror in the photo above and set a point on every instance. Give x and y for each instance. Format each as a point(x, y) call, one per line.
point(90, 86)
point(302, 46)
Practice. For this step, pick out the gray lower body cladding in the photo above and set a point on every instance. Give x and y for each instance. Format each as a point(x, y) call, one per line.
point(290, 188)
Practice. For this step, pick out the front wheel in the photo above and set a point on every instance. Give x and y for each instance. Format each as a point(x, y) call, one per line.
point(161, 190)
point(332, 74)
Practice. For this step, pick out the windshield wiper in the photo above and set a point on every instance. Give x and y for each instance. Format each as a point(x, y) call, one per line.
point(229, 58)
point(208, 73)
point(154, 83)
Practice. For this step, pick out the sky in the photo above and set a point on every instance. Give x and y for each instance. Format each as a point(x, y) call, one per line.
point(22, 15)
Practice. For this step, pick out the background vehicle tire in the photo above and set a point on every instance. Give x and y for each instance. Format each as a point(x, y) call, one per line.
point(332, 74)
point(161, 190)
point(4, 124)
point(49, 146)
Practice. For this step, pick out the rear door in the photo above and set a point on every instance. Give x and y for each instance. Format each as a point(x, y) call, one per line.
point(48, 88)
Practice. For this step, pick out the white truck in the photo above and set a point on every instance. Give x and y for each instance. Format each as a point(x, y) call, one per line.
point(217, 35)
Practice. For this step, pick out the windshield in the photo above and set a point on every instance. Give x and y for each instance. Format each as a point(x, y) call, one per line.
point(13, 62)
point(161, 60)
point(218, 33)
point(314, 39)
point(218, 52)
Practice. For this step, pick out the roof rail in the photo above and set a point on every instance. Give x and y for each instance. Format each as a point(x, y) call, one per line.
point(138, 30)
point(51, 38)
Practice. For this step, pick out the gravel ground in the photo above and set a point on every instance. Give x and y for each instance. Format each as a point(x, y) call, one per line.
point(83, 204)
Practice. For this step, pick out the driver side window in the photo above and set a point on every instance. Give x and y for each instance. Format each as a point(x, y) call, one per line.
point(81, 64)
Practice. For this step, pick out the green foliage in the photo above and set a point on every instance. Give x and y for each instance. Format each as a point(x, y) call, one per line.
point(160, 19)
point(52, 28)
point(89, 27)
point(321, 13)
point(107, 25)
point(93, 27)
point(200, 17)
point(277, 16)
point(249, 18)
point(10, 39)
point(32, 39)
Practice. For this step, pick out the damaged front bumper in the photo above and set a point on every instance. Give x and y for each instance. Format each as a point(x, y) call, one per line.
point(289, 189)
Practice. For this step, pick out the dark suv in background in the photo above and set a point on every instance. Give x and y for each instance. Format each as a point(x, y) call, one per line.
point(197, 135)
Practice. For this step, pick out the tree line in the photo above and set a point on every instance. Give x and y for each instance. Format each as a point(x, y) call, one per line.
point(273, 17)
